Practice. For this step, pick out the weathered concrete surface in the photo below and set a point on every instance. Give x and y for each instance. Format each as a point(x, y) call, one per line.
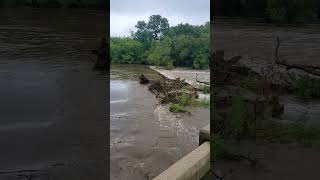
point(204, 134)
point(190, 76)
point(191, 167)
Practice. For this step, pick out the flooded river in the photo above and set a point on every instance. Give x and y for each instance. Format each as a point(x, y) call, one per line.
point(53, 106)
point(145, 137)
point(256, 43)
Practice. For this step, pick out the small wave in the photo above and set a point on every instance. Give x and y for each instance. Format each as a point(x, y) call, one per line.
point(30, 125)
point(119, 101)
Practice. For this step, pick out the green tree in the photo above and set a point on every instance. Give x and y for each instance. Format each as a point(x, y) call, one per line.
point(158, 26)
point(291, 11)
point(156, 43)
point(160, 53)
point(142, 34)
point(184, 29)
point(126, 51)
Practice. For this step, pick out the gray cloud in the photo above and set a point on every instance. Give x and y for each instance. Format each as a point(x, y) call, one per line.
point(125, 13)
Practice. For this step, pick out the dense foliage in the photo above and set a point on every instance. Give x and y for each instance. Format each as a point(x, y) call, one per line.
point(96, 4)
point(282, 11)
point(289, 11)
point(156, 43)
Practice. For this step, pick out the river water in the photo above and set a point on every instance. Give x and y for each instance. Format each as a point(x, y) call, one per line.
point(256, 44)
point(53, 105)
point(145, 137)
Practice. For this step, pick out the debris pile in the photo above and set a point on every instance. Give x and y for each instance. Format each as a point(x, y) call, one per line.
point(167, 90)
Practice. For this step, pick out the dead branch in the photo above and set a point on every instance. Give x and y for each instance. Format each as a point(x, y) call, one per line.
point(311, 69)
point(31, 170)
point(234, 60)
point(202, 82)
point(20, 171)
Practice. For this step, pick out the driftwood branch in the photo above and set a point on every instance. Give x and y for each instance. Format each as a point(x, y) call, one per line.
point(218, 59)
point(202, 82)
point(311, 69)
point(30, 170)
point(234, 60)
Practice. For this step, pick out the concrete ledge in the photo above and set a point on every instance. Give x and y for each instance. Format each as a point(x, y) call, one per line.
point(204, 134)
point(193, 166)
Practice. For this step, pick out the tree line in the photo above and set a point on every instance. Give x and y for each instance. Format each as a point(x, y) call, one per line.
point(280, 11)
point(156, 43)
point(95, 4)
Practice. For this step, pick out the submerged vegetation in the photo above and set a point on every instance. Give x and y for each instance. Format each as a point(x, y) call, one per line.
point(187, 100)
point(307, 87)
point(205, 89)
point(156, 43)
point(247, 109)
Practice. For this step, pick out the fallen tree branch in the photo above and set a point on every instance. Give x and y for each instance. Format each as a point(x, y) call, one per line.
point(311, 69)
point(307, 68)
point(233, 60)
point(31, 170)
point(202, 82)
point(21, 171)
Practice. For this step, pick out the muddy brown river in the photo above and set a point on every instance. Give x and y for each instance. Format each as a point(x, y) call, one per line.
point(145, 138)
point(53, 106)
point(256, 43)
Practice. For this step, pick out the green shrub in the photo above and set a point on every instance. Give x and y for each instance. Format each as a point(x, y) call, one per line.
point(185, 100)
point(301, 133)
point(169, 65)
point(248, 83)
point(205, 89)
point(204, 103)
point(236, 117)
point(201, 61)
point(219, 147)
point(176, 108)
point(307, 87)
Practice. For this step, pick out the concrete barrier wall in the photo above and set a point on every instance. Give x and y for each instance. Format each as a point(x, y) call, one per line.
point(193, 166)
point(204, 134)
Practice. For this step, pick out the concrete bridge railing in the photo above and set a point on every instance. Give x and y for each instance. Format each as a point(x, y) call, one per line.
point(194, 165)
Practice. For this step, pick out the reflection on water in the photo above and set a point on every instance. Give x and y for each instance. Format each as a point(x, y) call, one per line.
point(51, 101)
point(118, 92)
point(28, 125)
point(145, 137)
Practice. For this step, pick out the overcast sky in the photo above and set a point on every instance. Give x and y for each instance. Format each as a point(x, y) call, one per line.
point(124, 14)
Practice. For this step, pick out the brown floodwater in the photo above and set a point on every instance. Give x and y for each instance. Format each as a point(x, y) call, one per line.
point(276, 160)
point(145, 138)
point(256, 43)
point(53, 106)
